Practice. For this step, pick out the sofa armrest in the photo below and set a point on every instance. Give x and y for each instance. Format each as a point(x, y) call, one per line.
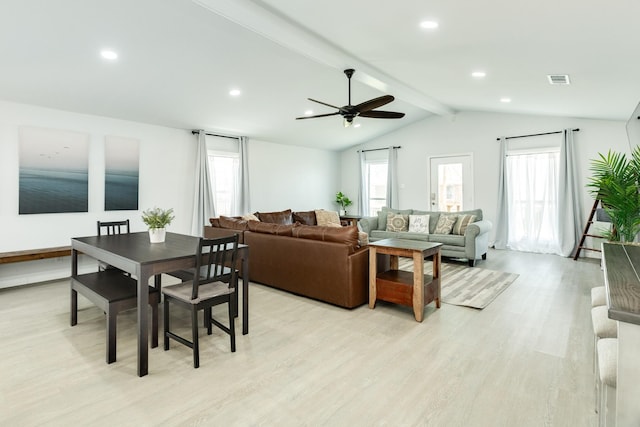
point(476, 239)
point(368, 223)
point(479, 227)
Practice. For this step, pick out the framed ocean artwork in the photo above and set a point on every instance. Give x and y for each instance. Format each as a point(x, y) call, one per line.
point(121, 175)
point(53, 171)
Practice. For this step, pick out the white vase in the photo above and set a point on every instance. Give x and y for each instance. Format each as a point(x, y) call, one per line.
point(343, 212)
point(157, 235)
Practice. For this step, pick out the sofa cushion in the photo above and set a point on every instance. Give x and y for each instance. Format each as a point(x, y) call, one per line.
point(327, 218)
point(419, 224)
point(306, 218)
point(447, 239)
point(384, 212)
point(445, 223)
point(346, 235)
point(462, 222)
point(271, 228)
point(215, 222)
point(232, 223)
point(381, 234)
point(281, 217)
point(397, 222)
point(423, 237)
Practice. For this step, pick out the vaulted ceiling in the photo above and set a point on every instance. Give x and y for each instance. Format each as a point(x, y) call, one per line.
point(178, 60)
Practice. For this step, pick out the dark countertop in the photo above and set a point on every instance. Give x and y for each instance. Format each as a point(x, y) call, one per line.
point(622, 281)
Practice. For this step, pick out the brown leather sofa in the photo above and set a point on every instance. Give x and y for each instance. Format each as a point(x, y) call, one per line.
point(323, 263)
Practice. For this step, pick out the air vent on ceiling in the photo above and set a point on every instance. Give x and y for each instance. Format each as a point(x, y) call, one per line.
point(558, 79)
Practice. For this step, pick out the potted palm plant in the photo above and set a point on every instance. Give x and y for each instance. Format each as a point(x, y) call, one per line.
point(616, 183)
point(157, 220)
point(343, 201)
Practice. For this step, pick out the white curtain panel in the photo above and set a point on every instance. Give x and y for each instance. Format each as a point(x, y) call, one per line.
point(363, 190)
point(392, 178)
point(533, 201)
point(243, 196)
point(203, 207)
point(569, 206)
point(502, 213)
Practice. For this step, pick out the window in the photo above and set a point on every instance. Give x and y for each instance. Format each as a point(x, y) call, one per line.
point(377, 185)
point(224, 168)
point(533, 200)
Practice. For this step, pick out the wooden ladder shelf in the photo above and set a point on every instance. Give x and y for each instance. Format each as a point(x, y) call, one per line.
point(586, 234)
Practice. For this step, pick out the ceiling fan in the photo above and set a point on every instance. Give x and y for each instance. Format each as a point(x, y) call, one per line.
point(364, 109)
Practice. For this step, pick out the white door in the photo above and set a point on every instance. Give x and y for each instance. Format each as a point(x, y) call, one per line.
point(451, 178)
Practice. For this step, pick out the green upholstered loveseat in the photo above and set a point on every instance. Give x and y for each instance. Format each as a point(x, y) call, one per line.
point(471, 244)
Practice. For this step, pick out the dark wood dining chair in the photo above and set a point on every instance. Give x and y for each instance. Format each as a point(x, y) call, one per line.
point(108, 228)
point(211, 284)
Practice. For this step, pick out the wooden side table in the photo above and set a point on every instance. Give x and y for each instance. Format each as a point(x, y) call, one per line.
point(350, 219)
point(403, 287)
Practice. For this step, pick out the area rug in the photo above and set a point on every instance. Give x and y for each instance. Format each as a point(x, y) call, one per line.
point(467, 286)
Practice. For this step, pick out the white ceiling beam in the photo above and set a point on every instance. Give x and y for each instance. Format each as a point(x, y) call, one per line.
point(287, 33)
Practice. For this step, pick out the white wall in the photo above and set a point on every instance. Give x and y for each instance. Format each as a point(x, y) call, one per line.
point(285, 176)
point(280, 176)
point(476, 133)
point(166, 180)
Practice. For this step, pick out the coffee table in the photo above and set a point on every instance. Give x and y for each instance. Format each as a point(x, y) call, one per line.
point(404, 287)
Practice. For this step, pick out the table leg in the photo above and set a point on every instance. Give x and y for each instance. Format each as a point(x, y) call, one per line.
point(245, 294)
point(143, 323)
point(436, 275)
point(373, 272)
point(418, 285)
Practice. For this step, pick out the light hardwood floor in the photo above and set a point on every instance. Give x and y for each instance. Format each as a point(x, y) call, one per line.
point(525, 360)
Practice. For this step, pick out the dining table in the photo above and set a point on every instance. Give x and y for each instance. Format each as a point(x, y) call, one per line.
point(135, 254)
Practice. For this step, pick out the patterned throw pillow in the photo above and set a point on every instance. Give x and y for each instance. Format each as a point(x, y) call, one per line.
point(327, 218)
point(445, 224)
point(397, 222)
point(462, 222)
point(419, 224)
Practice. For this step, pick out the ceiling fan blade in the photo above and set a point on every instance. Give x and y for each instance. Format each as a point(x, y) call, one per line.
point(382, 114)
point(324, 103)
point(317, 115)
point(374, 103)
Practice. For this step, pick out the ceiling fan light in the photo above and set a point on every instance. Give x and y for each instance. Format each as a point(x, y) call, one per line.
point(347, 122)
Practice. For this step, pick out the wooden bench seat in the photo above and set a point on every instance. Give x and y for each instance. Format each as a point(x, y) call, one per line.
point(113, 292)
point(34, 254)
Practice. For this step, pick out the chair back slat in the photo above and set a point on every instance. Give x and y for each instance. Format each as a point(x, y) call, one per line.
point(109, 228)
point(215, 262)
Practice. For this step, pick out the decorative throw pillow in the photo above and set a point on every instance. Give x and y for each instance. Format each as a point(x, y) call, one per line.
point(250, 217)
point(419, 224)
point(280, 217)
point(445, 224)
point(384, 212)
point(324, 218)
point(462, 222)
point(397, 222)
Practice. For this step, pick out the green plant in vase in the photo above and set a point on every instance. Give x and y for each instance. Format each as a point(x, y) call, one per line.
point(157, 220)
point(343, 201)
point(616, 183)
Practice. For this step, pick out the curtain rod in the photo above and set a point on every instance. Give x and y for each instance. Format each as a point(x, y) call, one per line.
point(536, 134)
point(195, 132)
point(377, 149)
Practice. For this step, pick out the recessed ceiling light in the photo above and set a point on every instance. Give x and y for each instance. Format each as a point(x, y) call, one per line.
point(109, 54)
point(429, 25)
point(235, 92)
point(308, 113)
point(478, 74)
point(505, 100)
